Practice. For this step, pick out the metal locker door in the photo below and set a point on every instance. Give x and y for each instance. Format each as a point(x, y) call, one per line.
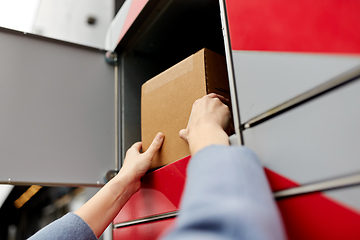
point(56, 112)
point(299, 58)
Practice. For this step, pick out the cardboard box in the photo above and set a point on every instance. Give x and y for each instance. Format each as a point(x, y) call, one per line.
point(167, 100)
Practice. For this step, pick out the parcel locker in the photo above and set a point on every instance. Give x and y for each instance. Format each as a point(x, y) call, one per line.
point(293, 73)
point(302, 76)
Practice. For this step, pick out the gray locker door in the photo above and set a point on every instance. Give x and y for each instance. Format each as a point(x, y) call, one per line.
point(56, 112)
point(316, 141)
point(267, 79)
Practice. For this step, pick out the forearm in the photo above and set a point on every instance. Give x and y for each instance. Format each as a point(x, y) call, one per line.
point(101, 209)
point(227, 197)
point(206, 135)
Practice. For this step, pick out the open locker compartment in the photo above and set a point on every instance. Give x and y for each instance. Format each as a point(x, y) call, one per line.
point(56, 112)
point(164, 36)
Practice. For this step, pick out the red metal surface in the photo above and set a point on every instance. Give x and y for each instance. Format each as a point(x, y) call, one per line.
point(309, 216)
point(160, 192)
point(301, 26)
point(134, 11)
point(278, 182)
point(146, 231)
point(314, 216)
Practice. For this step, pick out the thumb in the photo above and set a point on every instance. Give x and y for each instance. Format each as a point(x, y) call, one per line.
point(155, 145)
point(184, 134)
point(136, 147)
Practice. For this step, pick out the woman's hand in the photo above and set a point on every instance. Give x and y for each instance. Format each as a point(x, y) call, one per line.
point(209, 117)
point(102, 208)
point(136, 164)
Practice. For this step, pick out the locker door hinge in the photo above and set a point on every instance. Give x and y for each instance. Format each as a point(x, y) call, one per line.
point(111, 58)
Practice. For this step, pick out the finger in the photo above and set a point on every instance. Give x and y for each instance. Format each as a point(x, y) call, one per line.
point(212, 95)
point(183, 134)
point(196, 102)
point(155, 145)
point(135, 148)
point(220, 97)
point(223, 99)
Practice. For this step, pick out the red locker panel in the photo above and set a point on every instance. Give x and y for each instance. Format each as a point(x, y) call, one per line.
point(145, 231)
point(134, 11)
point(309, 216)
point(160, 192)
point(314, 216)
point(302, 26)
point(278, 182)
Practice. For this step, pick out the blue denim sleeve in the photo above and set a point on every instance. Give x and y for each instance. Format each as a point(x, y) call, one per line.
point(227, 196)
point(69, 227)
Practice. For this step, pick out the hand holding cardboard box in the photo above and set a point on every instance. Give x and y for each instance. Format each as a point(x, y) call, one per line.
point(167, 100)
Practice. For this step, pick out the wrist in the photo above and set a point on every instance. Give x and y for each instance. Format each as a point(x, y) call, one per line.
point(206, 135)
point(121, 187)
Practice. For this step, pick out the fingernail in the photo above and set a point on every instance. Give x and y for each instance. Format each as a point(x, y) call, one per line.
point(159, 136)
